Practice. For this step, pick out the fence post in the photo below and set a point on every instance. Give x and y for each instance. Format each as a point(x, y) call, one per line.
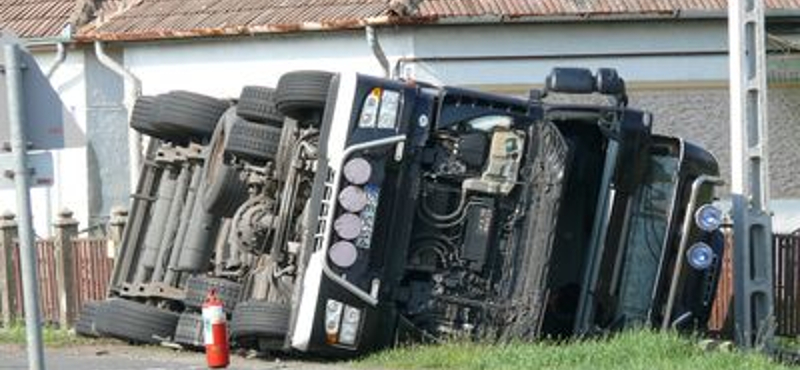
point(66, 228)
point(119, 217)
point(8, 285)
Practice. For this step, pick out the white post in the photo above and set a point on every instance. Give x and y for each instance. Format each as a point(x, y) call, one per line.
point(753, 294)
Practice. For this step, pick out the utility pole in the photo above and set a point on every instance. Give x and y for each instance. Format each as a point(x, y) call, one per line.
point(752, 224)
point(16, 119)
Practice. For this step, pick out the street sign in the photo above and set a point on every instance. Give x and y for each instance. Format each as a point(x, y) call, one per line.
point(50, 125)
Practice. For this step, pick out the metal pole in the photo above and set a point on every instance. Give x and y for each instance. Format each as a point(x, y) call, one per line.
point(27, 254)
point(752, 228)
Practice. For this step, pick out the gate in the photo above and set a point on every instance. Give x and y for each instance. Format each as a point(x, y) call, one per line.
point(786, 252)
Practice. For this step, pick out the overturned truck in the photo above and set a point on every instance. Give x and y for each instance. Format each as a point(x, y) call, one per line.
point(342, 213)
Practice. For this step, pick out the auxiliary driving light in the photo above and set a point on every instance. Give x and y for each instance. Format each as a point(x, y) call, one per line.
point(708, 217)
point(348, 226)
point(357, 171)
point(353, 199)
point(700, 256)
point(343, 254)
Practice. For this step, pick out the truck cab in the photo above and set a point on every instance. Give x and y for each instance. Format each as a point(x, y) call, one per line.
point(438, 211)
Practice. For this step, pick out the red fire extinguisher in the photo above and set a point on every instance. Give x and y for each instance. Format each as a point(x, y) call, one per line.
point(215, 332)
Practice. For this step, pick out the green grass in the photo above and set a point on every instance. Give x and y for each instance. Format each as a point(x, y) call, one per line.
point(53, 337)
point(629, 350)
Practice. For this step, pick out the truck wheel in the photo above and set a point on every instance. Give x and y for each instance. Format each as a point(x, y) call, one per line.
point(134, 321)
point(142, 116)
point(197, 288)
point(261, 321)
point(85, 326)
point(189, 331)
point(188, 114)
point(225, 190)
point(252, 141)
point(257, 104)
point(302, 95)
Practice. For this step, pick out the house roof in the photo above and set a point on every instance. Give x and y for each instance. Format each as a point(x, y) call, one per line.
point(159, 19)
point(35, 18)
point(584, 8)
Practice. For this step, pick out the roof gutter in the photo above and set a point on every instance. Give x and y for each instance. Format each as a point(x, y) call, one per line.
point(133, 89)
point(35, 42)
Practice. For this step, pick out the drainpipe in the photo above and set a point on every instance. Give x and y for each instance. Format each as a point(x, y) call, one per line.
point(61, 55)
point(133, 88)
point(372, 40)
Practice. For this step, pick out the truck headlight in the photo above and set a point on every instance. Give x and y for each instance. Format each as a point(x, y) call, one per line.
point(379, 109)
point(350, 323)
point(369, 110)
point(390, 102)
point(700, 256)
point(708, 217)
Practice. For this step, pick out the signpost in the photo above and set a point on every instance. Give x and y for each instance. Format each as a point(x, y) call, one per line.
point(14, 73)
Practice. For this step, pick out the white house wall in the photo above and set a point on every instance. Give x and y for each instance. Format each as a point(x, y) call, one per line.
point(643, 52)
point(221, 67)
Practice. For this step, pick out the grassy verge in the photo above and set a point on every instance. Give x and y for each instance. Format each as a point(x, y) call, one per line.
point(630, 350)
point(53, 337)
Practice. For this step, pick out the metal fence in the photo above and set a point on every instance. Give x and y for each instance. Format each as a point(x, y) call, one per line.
point(786, 252)
point(787, 284)
point(91, 268)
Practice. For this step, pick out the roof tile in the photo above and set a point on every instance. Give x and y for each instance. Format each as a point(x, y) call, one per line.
point(35, 18)
point(145, 19)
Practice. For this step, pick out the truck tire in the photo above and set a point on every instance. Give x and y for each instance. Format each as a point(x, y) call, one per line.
point(224, 190)
point(188, 114)
point(189, 331)
point(302, 95)
point(257, 104)
point(197, 288)
point(134, 321)
point(252, 141)
point(260, 320)
point(85, 326)
point(142, 115)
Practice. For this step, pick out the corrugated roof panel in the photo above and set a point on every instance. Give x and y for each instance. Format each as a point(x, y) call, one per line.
point(184, 18)
point(35, 18)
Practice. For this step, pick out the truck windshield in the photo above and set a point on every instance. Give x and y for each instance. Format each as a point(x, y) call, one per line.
point(647, 231)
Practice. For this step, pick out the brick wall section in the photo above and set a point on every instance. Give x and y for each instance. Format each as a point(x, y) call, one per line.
point(701, 115)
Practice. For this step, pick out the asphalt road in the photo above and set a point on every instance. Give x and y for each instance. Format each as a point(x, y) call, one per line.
point(123, 357)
